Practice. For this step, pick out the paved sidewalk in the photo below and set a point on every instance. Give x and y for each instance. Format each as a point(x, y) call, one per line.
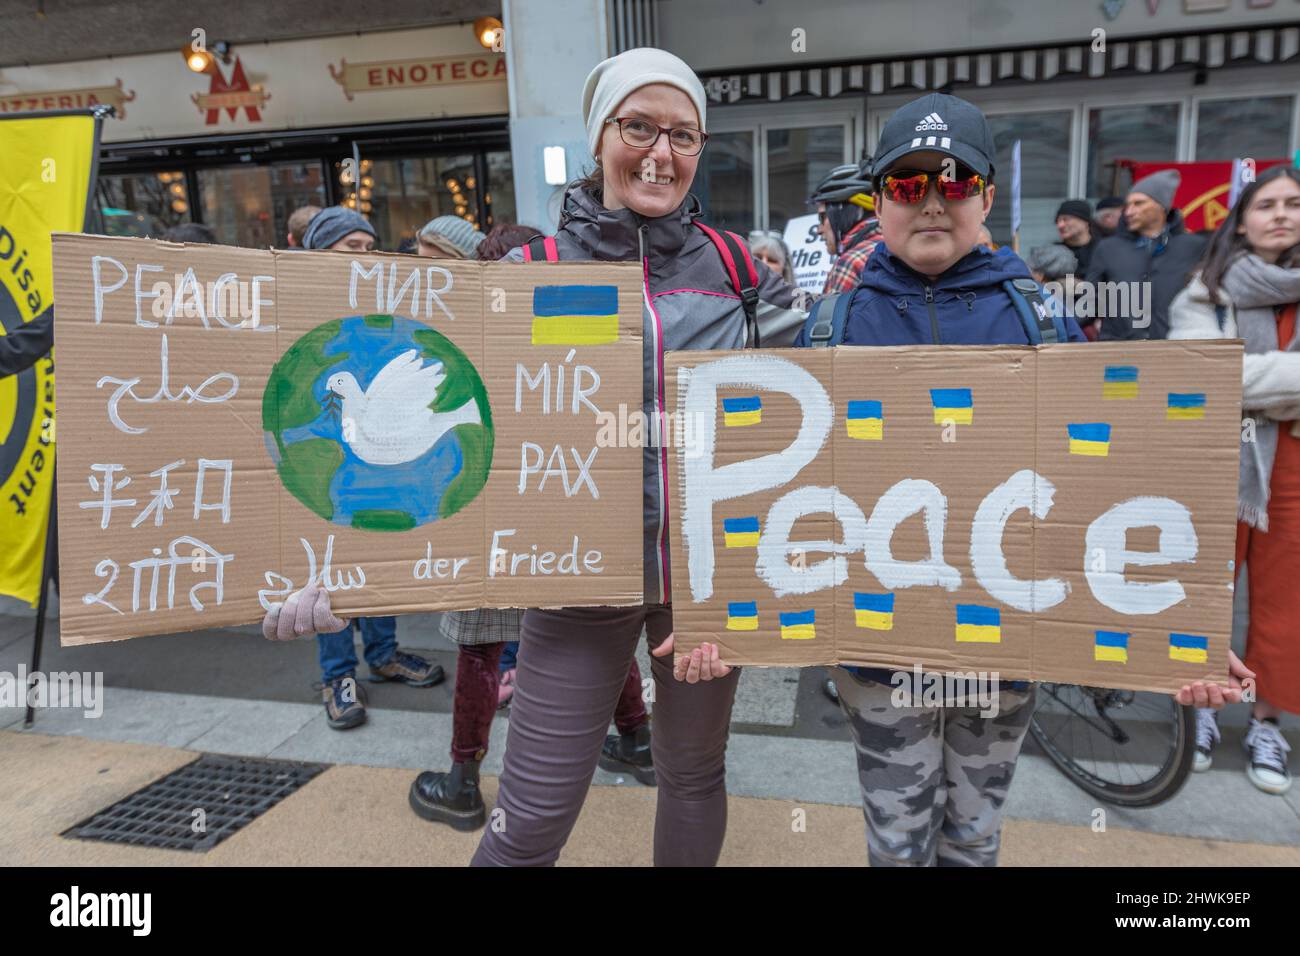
point(229, 691)
point(358, 815)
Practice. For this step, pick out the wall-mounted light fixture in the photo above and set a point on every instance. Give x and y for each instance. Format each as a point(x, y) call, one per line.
point(201, 60)
point(488, 30)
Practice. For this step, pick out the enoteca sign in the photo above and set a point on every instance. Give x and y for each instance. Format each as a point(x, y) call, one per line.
point(292, 84)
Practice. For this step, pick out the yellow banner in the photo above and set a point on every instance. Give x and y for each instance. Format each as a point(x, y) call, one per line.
point(46, 169)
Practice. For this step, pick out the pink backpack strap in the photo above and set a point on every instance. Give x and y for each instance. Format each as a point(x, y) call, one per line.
point(541, 249)
point(740, 270)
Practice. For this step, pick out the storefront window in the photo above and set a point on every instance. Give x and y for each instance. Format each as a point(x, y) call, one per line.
point(1143, 133)
point(1044, 175)
point(500, 197)
point(724, 181)
point(406, 193)
point(1236, 129)
point(147, 204)
point(250, 205)
point(797, 160)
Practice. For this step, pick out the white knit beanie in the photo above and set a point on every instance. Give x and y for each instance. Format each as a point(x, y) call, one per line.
point(613, 79)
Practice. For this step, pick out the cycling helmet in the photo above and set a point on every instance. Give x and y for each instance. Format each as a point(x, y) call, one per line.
point(847, 184)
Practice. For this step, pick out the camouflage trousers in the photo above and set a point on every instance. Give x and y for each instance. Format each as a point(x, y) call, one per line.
point(934, 779)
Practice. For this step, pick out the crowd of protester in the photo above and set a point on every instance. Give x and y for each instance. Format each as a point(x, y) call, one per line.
point(903, 224)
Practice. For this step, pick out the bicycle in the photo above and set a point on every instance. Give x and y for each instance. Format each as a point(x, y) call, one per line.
point(1147, 737)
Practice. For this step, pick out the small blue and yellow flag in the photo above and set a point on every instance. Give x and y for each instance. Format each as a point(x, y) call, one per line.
point(1185, 405)
point(977, 624)
point(1120, 381)
point(866, 421)
point(742, 616)
point(1189, 648)
point(874, 611)
point(1110, 646)
point(952, 404)
point(575, 314)
point(797, 626)
point(740, 532)
point(742, 411)
point(1089, 438)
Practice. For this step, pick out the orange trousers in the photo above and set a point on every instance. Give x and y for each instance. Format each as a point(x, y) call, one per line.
point(1273, 640)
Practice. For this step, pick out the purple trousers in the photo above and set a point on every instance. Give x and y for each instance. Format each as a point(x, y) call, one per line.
point(573, 664)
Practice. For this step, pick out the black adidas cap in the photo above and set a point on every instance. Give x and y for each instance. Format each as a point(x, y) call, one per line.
point(940, 123)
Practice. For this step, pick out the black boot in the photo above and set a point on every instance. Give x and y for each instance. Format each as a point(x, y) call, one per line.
point(452, 798)
point(630, 753)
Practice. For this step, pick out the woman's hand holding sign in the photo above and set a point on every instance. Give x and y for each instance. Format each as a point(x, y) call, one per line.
point(304, 612)
point(702, 663)
point(1202, 694)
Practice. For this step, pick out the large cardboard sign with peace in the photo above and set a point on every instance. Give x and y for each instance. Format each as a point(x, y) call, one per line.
point(414, 434)
point(1065, 513)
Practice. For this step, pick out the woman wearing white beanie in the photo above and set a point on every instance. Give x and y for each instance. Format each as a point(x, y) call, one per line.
point(645, 118)
point(645, 115)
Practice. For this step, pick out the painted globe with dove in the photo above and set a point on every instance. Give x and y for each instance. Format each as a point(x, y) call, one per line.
point(378, 422)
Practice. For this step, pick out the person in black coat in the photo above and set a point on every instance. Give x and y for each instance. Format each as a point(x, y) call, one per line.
point(1075, 227)
point(22, 347)
point(1152, 254)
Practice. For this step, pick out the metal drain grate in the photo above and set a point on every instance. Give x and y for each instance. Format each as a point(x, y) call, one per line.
point(231, 792)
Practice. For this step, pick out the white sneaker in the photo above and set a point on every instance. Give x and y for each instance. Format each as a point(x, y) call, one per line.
point(1268, 749)
point(1207, 735)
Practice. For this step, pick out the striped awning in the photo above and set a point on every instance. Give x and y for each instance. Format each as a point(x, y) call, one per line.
point(1062, 62)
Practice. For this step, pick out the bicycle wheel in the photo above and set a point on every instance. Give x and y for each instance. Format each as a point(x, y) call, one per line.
point(1129, 748)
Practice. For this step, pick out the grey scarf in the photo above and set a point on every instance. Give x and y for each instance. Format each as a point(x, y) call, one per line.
point(1255, 289)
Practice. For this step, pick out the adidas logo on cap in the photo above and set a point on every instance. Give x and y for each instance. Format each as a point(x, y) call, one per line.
point(932, 121)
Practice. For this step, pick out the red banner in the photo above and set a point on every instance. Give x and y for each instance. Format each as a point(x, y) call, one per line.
point(1203, 193)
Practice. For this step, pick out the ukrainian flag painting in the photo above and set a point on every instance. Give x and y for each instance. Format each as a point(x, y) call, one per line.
point(798, 626)
point(866, 421)
point(874, 611)
point(1120, 381)
point(1189, 648)
point(977, 624)
point(1185, 405)
point(742, 411)
point(575, 314)
point(952, 404)
point(740, 532)
point(1110, 646)
point(1090, 438)
point(742, 616)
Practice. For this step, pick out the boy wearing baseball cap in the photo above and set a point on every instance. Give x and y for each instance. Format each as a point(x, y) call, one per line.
point(934, 778)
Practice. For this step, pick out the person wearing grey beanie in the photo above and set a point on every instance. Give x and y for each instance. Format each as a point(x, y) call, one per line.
point(1151, 255)
point(1160, 186)
point(346, 230)
point(340, 228)
point(449, 237)
point(1051, 263)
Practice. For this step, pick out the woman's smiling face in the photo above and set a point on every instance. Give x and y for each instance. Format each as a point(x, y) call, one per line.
point(651, 182)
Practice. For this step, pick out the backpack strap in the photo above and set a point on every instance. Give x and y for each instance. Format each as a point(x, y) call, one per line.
point(1041, 326)
point(825, 324)
point(541, 249)
point(740, 270)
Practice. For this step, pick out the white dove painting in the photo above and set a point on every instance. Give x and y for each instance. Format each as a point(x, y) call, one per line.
point(379, 423)
point(391, 422)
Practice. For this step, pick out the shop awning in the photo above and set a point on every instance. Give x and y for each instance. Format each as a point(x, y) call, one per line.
point(1126, 57)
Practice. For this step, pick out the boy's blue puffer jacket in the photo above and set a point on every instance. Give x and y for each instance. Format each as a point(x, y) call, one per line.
point(967, 305)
